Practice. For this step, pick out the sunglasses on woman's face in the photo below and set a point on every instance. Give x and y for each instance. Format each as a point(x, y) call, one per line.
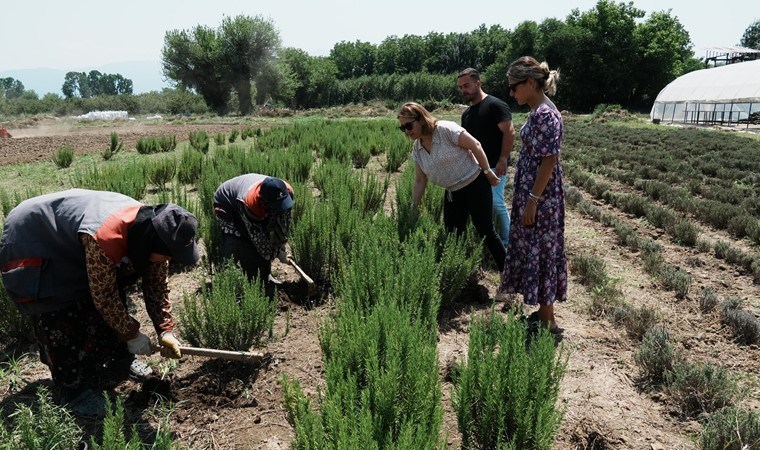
point(513, 86)
point(404, 127)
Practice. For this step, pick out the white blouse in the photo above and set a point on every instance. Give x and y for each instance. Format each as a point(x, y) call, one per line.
point(447, 164)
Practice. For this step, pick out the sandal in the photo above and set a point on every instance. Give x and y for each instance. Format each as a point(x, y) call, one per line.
point(139, 371)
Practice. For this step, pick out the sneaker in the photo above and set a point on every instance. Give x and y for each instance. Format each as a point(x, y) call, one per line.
point(87, 404)
point(139, 370)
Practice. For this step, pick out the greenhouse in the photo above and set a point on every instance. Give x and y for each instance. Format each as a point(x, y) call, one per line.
point(727, 95)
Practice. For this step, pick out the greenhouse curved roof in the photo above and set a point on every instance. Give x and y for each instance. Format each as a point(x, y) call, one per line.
point(733, 83)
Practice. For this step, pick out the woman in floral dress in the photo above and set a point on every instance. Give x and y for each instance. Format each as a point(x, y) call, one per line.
point(536, 265)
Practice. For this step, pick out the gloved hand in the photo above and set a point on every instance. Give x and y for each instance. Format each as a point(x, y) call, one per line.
point(139, 345)
point(282, 255)
point(170, 345)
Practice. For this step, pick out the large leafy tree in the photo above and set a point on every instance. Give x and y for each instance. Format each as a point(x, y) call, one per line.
point(193, 60)
point(353, 59)
point(665, 53)
point(213, 62)
point(751, 36)
point(94, 83)
point(11, 88)
point(248, 45)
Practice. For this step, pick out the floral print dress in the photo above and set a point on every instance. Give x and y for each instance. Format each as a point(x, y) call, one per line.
point(536, 265)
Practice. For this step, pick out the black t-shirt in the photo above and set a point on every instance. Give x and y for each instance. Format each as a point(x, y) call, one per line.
point(482, 122)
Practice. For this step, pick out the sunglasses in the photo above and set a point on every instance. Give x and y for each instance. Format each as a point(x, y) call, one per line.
point(407, 126)
point(512, 87)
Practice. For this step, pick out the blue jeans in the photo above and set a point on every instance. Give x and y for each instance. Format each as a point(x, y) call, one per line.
point(500, 209)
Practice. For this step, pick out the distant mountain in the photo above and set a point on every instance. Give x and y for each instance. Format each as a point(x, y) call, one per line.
point(146, 76)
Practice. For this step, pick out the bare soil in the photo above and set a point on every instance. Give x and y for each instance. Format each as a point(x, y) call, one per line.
point(230, 405)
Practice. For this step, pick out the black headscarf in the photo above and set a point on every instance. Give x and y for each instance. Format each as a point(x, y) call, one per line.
point(142, 239)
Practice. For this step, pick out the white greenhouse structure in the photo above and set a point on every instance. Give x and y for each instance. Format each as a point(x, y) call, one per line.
point(727, 94)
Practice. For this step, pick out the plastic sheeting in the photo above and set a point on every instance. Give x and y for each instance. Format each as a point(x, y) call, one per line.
point(721, 94)
point(104, 115)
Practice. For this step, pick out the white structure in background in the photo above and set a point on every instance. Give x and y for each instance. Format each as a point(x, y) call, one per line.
point(727, 94)
point(104, 115)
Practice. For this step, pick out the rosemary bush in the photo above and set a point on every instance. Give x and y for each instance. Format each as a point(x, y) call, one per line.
point(199, 141)
point(148, 146)
point(63, 157)
point(505, 395)
point(44, 425)
point(382, 387)
point(161, 171)
point(128, 179)
point(115, 147)
point(232, 314)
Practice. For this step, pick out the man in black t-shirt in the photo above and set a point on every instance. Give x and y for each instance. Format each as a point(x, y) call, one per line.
point(489, 120)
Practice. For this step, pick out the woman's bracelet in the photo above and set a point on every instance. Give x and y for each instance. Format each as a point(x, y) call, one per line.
point(534, 197)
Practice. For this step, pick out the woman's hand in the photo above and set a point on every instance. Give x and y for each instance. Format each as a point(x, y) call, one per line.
point(529, 214)
point(492, 178)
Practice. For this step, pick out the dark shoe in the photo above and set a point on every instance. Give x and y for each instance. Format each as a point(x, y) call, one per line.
point(87, 404)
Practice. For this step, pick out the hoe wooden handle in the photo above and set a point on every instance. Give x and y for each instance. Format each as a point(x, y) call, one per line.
point(252, 357)
point(300, 271)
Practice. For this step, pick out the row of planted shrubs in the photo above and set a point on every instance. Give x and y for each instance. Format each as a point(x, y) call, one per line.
point(670, 277)
point(379, 349)
point(702, 390)
point(710, 176)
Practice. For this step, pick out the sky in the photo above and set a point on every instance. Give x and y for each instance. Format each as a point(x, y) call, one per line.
point(87, 33)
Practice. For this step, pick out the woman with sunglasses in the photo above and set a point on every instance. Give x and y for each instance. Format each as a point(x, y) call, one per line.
point(447, 155)
point(536, 265)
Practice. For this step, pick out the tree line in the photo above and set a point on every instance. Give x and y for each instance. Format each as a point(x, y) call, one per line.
point(613, 53)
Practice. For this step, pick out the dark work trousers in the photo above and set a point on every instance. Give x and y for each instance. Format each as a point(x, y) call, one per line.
point(243, 252)
point(76, 343)
point(476, 202)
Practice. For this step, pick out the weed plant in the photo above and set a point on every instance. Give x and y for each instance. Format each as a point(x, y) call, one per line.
point(505, 395)
point(234, 313)
point(220, 139)
point(731, 429)
point(63, 157)
point(234, 135)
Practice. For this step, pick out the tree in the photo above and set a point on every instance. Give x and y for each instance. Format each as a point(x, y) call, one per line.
point(214, 62)
point(194, 59)
point(11, 88)
point(93, 84)
point(248, 45)
point(353, 59)
point(665, 53)
point(609, 47)
point(751, 36)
